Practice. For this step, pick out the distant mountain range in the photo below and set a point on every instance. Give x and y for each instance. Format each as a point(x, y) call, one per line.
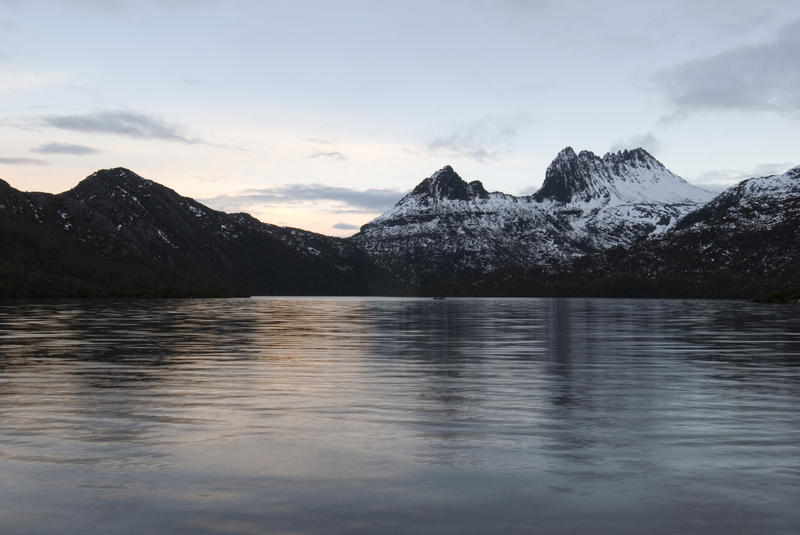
point(620, 225)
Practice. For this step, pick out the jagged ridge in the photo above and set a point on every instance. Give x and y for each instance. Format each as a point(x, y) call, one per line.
point(446, 184)
point(447, 226)
point(625, 176)
point(116, 233)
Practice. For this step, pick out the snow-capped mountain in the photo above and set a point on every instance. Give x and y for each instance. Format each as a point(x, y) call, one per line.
point(448, 223)
point(447, 226)
point(757, 202)
point(630, 176)
point(749, 236)
point(744, 243)
point(616, 226)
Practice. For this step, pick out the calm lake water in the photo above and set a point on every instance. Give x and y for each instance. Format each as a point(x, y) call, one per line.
point(399, 416)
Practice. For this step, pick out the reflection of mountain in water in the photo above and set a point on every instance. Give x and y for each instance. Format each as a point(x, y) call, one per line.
point(518, 370)
point(292, 413)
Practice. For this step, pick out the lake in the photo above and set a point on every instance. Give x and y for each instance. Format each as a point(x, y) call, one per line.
point(339, 415)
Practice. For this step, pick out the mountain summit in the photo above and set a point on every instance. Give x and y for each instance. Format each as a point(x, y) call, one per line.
point(446, 226)
point(446, 184)
point(625, 176)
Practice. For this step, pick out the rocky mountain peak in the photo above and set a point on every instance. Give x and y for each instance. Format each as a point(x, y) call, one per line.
point(568, 175)
point(112, 174)
point(633, 155)
point(116, 176)
point(624, 176)
point(634, 158)
point(566, 154)
point(107, 182)
point(447, 184)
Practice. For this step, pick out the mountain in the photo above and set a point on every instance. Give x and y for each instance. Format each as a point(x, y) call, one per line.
point(116, 233)
point(743, 243)
point(448, 227)
point(620, 225)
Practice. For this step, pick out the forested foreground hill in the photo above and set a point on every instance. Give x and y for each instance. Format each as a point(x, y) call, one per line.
point(118, 234)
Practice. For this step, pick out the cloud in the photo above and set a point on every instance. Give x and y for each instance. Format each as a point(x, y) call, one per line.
point(484, 139)
point(123, 123)
point(328, 155)
point(23, 161)
point(320, 140)
point(762, 77)
point(359, 201)
point(647, 141)
point(346, 226)
point(64, 148)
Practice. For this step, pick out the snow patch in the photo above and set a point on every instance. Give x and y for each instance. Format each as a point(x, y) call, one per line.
point(196, 211)
point(164, 237)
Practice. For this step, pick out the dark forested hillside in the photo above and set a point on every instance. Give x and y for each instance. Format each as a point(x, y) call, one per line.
point(119, 234)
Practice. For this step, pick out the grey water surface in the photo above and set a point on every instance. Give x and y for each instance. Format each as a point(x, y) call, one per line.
point(460, 416)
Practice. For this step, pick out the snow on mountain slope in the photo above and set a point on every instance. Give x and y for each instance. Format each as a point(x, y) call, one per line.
point(744, 243)
point(632, 176)
point(446, 226)
point(617, 199)
point(757, 202)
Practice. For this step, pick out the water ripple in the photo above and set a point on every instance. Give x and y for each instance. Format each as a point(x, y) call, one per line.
point(399, 415)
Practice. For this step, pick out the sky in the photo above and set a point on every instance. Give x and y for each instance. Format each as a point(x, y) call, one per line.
point(321, 115)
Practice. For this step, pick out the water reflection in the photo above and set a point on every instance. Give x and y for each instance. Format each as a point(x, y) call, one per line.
point(367, 415)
